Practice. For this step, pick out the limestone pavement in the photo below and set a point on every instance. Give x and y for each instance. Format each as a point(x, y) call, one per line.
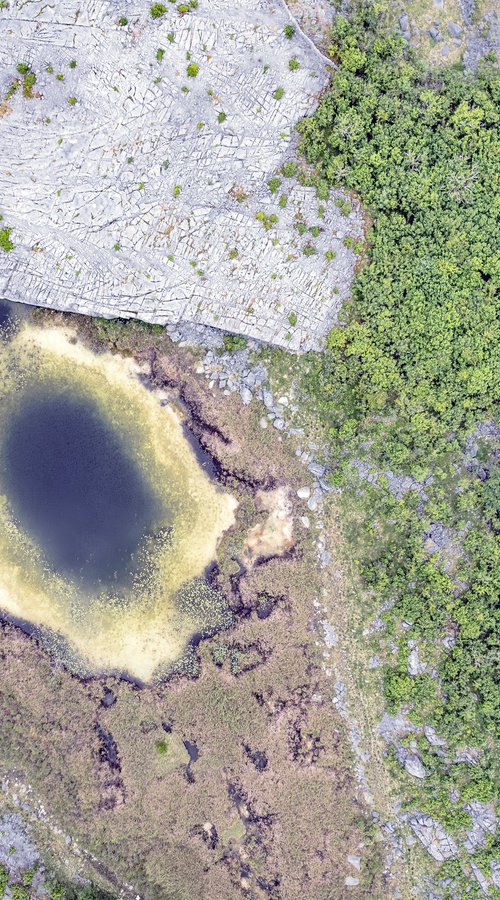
point(133, 182)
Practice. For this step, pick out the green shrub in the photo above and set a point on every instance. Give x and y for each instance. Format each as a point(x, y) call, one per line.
point(19, 893)
point(57, 891)
point(343, 205)
point(368, 140)
point(157, 10)
point(274, 185)
point(72, 101)
point(221, 118)
point(160, 53)
point(413, 370)
point(267, 221)
point(289, 31)
point(293, 64)
point(289, 169)
point(192, 70)
point(4, 879)
point(123, 21)
point(234, 342)
point(5, 241)
point(279, 93)
point(292, 318)
point(29, 82)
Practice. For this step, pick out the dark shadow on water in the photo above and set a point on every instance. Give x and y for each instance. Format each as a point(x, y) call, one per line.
point(73, 487)
point(5, 313)
point(11, 317)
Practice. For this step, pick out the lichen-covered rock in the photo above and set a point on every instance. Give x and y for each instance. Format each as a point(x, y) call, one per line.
point(412, 763)
point(432, 835)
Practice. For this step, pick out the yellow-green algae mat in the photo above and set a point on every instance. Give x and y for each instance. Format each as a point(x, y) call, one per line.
point(143, 628)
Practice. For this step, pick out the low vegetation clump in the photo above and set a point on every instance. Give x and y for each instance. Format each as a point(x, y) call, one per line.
point(5, 241)
point(234, 342)
point(412, 372)
point(157, 10)
point(267, 221)
point(28, 82)
point(192, 70)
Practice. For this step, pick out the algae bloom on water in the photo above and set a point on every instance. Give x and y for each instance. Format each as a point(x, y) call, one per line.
point(106, 516)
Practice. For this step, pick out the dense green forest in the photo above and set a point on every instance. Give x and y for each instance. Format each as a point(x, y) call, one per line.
point(412, 372)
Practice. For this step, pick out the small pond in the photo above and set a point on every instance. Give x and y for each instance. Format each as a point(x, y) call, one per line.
point(107, 519)
point(75, 489)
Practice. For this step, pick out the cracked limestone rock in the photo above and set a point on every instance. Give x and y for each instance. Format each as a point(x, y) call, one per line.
point(432, 835)
point(133, 189)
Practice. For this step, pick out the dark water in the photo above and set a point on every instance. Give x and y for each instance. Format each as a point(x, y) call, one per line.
point(5, 312)
point(74, 489)
point(11, 315)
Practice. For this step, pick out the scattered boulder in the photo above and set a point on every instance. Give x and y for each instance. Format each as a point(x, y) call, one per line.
point(267, 398)
point(331, 639)
point(432, 835)
point(435, 34)
point(454, 30)
point(317, 470)
point(355, 861)
point(433, 737)
point(468, 755)
point(484, 824)
point(246, 395)
point(394, 727)
point(415, 664)
point(481, 879)
point(414, 765)
point(304, 493)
